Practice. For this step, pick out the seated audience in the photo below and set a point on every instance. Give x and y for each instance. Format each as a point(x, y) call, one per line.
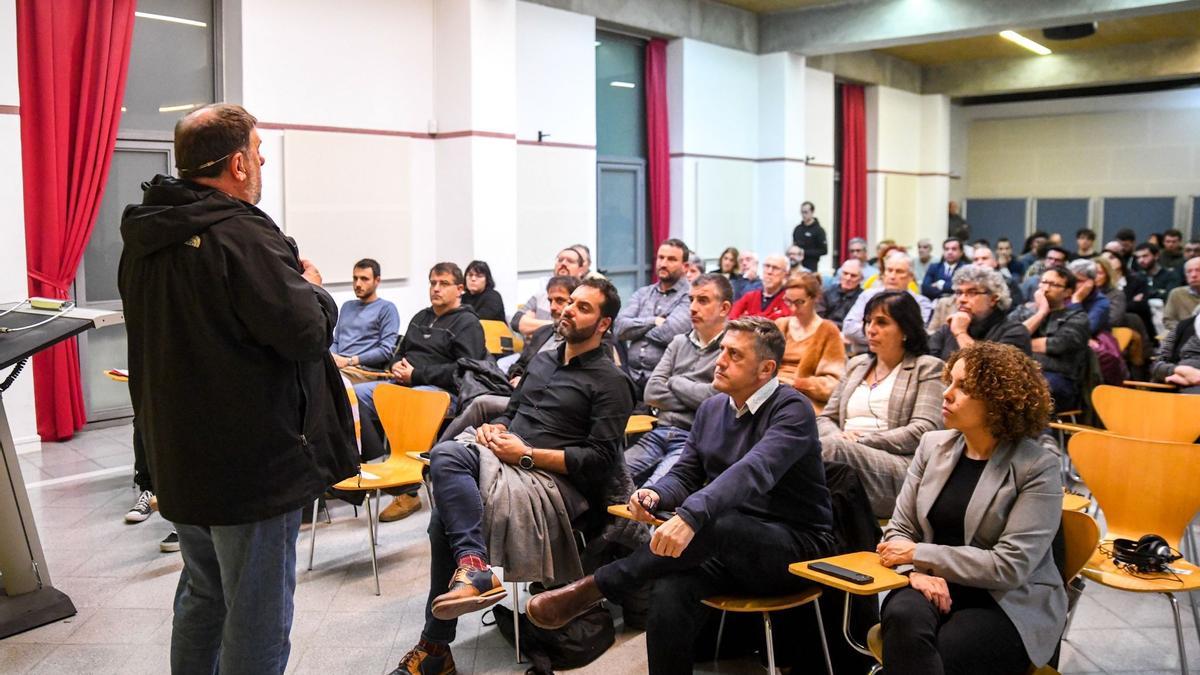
point(694, 267)
point(1106, 281)
point(535, 313)
point(548, 458)
point(939, 277)
point(1006, 260)
point(1085, 243)
point(1052, 257)
point(1088, 295)
point(1160, 280)
point(1034, 250)
point(1060, 335)
point(795, 258)
point(897, 275)
point(975, 523)
point(888, 399)
point(1133, 287)
point(481, 293)
point(839, 298)
point(368, 327)
point(749, 499)
point(767, 300)
point(982, 256)
point(1191, 249)
point(814, 358)
point(656, 313)
point(1179, 358)
point(1171, 254)
point(881, 251)
point(682, 381)
point(982, 303)
point(1182, 301)
point(924, 258)
point(437, 337)
point(748, 264)
point(857, 248)
point(728, 266)
point(585, 254)
point(1126, 239)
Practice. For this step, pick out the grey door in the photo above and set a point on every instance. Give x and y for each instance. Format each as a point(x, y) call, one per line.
point(622, 242)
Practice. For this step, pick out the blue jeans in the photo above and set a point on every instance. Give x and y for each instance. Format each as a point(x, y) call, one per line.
point(234, 602)
point(654, 454)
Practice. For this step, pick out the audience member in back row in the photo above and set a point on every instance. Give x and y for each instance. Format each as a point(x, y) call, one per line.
point(682, 381)
point(795, 256)
point(1060, 335)
point(1159, 280)
point(1191, 249)
point(839, 298)
point(728, 266)
point(982, 256)
point(748, 264)
point(1005, 259)
point(1171, 254)
point(1182, 301)
point(535, 313)
point(368, 326)
point(749, 498)
point(888, 399)
point(810, 237)
point(548, 458)
point(897, 275)
point(974, 524)
point(656, 313)
point(1085, 243)
point(938, 279)
point(1133, 286)
point(766, 301)
point(694, 267)
point(481, 293)
point(982, 303)
point(924, 258)
point(814, 358)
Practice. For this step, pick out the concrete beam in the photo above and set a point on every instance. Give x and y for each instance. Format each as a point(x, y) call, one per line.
point(1161, 60)
point(866, 25)
point(702, 20)
point(871, 68)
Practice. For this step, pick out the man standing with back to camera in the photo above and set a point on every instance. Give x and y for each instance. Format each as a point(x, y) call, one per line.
point(235, 393)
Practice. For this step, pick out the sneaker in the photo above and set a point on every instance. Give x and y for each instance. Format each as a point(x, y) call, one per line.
point(142, 508)
point(402, 506)
point(418, 661)
point(170, 543)
point(470, 591)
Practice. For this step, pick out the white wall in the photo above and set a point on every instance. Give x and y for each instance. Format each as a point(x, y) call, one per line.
point(819, 122)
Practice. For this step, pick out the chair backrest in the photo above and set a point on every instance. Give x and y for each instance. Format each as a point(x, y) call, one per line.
point(1081, 535)
point(354, 410)
point(1142, 486)
point(1154, 415)
point(1123, 337)
point(499, 338)
point(410, 417)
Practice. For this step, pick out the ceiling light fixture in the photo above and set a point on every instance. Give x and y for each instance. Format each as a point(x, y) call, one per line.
point(623, 85)
point(178, 108)
point(1013, 36)
point(171, 19)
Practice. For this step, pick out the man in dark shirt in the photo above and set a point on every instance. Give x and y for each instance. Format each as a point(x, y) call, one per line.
point(749, 498)
point(566, 423)
point(840, 298)
point(1160, 280)
point(810, 237)
point(1060, 335)
point(982, 300)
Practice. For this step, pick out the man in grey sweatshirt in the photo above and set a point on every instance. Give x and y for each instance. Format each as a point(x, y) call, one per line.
point(682, 380)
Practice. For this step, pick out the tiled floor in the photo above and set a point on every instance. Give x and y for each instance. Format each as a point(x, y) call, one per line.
point(123, 587)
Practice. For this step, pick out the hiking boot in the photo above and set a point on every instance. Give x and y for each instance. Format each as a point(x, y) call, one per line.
point(470, 590)
point(554, 609)
point(402, 506)
point(142, 508)
point(170, 543)
point(418, 661)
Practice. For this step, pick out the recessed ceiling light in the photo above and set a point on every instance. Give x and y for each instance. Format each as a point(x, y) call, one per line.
point(178, 108)
point(1013, 36)
point(171, 19)
point(623, 85)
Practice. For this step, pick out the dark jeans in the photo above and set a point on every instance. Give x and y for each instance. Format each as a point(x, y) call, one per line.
point(655, 453)
point(1064, 390)
point(733, 553)
point(141, 470)
point(975, 637)
point(234, 602)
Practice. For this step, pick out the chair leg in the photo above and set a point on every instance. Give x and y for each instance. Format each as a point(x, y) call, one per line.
point(824, 643)
point(1183, 666)
point(517, 619)
point(720, 633)
point(770, 643)
point(371, 536)
point(1191, 540)
point(312, 536)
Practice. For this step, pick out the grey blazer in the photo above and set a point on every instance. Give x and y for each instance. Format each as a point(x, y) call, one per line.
point(914, 408)
point(1010, 522)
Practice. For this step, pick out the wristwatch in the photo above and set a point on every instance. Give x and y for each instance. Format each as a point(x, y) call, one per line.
point(526, 460)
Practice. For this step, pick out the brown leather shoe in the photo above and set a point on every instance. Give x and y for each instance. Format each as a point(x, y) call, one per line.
point(554, 609)
point(420, 662)
point(470, 590)
point(402, 506)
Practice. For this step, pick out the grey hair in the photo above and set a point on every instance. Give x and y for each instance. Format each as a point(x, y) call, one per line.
point(896, 255)
point(769, 342)
point(849, 261)
point(857, 240)
point(987, 279)
point(1083, 266)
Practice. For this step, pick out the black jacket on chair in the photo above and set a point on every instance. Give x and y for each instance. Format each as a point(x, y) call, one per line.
point(241, 408)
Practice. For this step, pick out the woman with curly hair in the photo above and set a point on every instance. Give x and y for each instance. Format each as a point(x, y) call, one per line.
point(974, 525)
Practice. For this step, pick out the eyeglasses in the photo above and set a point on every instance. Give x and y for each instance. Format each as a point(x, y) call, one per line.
point(969, 293)
point(1051, 284)
point(858, 250)
point(799, 302)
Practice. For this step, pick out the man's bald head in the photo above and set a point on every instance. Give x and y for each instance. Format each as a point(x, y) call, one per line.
point(207, 136)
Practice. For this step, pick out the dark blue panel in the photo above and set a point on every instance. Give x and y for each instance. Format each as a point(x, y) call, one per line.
point(1144, 215)
point(1064, 216)
point(994, 218)
point(1195, 219)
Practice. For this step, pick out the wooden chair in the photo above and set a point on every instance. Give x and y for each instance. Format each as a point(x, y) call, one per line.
point(1143, 487)
point(1123, 337)
point(639, 424)
point(758, 605)
point(1153, 386)
point(410, 420)
point(1081, 536)
point(499, 338)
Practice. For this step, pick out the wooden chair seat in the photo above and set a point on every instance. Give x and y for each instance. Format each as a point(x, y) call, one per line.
point(749, 604)
point(383, 476)
point(1101, 569)
point(1140, 384)
point(1074, 502)
point(639, 424)
point(875, 641)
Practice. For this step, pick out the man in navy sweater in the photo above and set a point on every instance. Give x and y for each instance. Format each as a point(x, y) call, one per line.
point(749, 498)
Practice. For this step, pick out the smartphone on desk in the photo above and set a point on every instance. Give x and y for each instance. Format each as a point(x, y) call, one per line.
point(841, 573)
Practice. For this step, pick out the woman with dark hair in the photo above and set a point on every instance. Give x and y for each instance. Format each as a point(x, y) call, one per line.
point(974, 524)
point(727, 266)
point(890, 397)
point(481, 293)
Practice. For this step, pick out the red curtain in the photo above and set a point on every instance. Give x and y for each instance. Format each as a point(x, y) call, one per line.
point(854, 166)
point(72, 57)
point(658, 145)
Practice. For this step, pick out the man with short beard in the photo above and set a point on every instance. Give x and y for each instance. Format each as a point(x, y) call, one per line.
point(656, 313)
point(553, 450)
point(368, 327)
point(535, 313)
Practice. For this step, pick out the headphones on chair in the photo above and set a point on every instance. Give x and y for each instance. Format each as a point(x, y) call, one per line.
point(1149, 554)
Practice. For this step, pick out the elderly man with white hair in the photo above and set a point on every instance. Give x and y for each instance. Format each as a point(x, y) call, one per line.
point(897, 274)
point(840, 298)
point(982, 302)
point(767, 301)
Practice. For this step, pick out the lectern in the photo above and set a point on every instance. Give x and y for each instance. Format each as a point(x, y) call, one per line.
point(28, 599)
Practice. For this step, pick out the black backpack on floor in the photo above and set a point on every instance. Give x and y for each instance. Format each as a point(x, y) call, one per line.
point(573, 646)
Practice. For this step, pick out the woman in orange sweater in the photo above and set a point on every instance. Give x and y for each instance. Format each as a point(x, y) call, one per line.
point(815, 357)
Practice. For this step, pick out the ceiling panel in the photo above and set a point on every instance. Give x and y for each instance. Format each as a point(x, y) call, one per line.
point(762, 6)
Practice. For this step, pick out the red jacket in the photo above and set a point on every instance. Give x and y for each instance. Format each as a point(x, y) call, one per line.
point(750, 304)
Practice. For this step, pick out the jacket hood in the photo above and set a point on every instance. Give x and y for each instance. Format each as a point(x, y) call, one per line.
point(173, 211)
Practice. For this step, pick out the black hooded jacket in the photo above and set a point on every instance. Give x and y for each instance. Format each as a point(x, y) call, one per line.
point(240, 406)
